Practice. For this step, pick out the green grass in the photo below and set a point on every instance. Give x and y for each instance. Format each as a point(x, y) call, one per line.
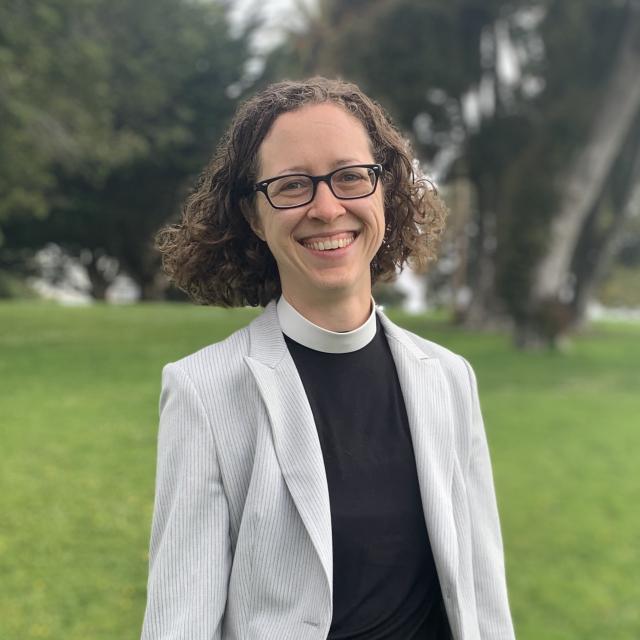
point(78, 418)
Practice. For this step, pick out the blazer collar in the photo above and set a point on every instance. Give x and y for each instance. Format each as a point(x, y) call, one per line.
point(394, 332)
point(429, 410)
point(267, 344)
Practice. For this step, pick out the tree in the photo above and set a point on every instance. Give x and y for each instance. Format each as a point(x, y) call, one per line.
point(43, 99)
point(601, 237)
point(156, 73)
point(591, 188)
point(517, 98)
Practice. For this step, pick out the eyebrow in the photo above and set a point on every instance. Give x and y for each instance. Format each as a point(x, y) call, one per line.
point(303, 169)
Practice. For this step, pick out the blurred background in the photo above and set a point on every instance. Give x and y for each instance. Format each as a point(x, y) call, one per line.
point(526, 114)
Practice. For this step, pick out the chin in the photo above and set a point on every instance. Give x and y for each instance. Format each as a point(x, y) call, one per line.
point(339, 283)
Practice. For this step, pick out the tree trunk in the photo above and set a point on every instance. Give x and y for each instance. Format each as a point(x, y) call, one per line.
point(99, 283)
point(153, 287)
point(483, 310)
point(585, 179)
point(480, 311)
point(597, 249)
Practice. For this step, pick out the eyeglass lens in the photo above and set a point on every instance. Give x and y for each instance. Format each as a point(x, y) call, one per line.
point(294, 190)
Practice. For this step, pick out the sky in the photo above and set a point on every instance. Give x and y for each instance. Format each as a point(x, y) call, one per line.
point(277, 15)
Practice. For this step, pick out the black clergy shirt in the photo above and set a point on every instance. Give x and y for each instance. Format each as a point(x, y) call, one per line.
point(385, 584)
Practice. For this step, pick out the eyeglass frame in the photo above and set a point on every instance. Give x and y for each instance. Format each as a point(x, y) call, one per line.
point(263, 185)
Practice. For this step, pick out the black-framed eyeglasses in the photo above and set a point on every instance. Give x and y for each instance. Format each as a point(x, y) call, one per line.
point(297, 189)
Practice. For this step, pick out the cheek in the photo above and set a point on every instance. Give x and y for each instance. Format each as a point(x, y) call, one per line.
point(276, 234)
point(380, 213)
point(380, 223)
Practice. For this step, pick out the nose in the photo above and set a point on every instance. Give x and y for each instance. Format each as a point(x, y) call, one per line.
point(325, 206)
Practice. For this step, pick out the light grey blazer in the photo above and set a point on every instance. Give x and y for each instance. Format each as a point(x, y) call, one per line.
point(241, 533)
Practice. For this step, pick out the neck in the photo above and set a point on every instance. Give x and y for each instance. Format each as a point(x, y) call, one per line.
point(340, 314)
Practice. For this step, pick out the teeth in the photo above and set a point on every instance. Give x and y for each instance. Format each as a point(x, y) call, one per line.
point(324, 245)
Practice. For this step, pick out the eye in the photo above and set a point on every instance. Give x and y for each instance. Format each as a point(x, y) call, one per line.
point(351, 176)
point(291, 185)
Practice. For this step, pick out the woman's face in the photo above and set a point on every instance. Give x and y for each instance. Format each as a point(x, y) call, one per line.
point(315, 140)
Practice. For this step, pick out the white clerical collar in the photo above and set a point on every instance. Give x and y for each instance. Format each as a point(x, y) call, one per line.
point(303, 331)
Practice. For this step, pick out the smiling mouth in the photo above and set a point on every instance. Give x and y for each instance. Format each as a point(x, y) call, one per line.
point(330, 243)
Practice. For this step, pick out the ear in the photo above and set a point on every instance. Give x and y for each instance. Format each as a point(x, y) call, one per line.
point(256, 227)
point(253, 220)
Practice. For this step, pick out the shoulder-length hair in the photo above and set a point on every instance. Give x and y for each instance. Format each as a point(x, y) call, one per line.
point(213, 254)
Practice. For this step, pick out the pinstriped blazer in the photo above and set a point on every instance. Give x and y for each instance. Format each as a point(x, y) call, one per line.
point(241, 533)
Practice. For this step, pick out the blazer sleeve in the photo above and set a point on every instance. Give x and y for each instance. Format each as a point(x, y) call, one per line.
point(189, 556)
point(494, 616)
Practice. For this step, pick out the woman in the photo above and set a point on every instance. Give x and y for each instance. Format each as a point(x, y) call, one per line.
point(322, 473)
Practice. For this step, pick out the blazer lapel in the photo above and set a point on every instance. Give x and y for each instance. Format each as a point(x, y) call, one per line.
point(294, 432)
point(426, 397)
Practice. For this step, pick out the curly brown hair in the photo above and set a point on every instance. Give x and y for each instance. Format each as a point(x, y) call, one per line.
point(213, 254)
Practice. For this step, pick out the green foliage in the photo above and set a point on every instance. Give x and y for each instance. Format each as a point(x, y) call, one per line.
point(621, 288)
point(12, 286)
point(115, 104)
point(54, 72)
point(79, 423)
point(395, 50)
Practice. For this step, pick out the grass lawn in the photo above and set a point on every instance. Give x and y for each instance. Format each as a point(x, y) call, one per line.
point(78, 418)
